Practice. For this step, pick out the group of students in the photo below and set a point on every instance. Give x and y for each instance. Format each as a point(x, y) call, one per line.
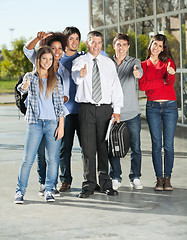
point(72, 92)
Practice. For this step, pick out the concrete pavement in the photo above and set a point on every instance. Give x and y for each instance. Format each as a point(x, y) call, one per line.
point(140, 215)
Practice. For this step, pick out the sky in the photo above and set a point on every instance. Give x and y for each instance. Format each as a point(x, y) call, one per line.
point(27, 17)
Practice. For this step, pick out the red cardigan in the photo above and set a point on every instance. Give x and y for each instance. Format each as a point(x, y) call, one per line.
point(157, 83)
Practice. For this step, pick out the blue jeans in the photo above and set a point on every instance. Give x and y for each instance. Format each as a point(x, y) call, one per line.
point(71, 125)
point(41, 160)
point(34, 134)
point(162, 120)
point(134, 128)
point(41, 167)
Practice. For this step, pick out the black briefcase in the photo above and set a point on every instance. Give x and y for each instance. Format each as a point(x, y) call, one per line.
point(119, 139)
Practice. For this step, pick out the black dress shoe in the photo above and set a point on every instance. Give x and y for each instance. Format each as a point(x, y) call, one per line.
point(110, 192)
point(85, 194)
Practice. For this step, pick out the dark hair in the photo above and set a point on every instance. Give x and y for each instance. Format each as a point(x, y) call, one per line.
point(121, 36)
point(51, 79)
point(71, 30)
point(54, 37)
point(165, 54)
point(92, 34)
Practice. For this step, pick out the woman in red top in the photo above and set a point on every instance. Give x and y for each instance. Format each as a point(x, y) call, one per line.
point(161, 108)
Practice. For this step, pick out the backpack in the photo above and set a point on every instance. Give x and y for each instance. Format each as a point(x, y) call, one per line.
point(119, 139)
point(20, 98)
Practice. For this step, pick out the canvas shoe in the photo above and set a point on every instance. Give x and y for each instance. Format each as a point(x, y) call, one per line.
point(136, 184)
point(115, 184)
point(18, 199)
point(49, 197)
point(42, 190)
point(56, 193)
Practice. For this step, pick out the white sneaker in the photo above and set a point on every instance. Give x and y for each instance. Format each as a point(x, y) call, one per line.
point(136, 184)
point(42, 190)
point(115, 184)
point(56, 193)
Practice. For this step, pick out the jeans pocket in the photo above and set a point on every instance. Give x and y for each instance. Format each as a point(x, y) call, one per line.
point(172, 105)
point(149, 104)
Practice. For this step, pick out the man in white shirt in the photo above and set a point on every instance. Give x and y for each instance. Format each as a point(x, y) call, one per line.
point(100, 96)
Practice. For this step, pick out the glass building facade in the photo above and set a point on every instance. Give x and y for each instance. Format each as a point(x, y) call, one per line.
point(140, 20)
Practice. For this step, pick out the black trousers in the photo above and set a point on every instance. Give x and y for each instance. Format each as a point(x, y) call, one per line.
point(94, 122)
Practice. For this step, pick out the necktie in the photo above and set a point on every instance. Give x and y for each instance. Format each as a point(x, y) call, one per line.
point(96, 83)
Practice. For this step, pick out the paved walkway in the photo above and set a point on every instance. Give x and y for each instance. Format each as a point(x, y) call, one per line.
point(140, 215)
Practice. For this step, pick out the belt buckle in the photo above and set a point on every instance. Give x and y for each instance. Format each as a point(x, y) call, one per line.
point(98, 105)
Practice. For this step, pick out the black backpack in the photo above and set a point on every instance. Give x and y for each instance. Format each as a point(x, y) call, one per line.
point(20, 98)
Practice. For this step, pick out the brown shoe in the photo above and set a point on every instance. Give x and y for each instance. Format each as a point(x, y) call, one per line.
point(159, 184)
point(167, 184)
point(65, 187)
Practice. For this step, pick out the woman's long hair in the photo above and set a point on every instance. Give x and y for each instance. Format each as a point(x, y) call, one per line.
point(51, 78)
point(165, 54)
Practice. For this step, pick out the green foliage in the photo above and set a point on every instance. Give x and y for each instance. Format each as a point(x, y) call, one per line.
point(14, 62)
point(142, 41)
point(7, 85)
point(131, 35)
point(174, 46)
point(184, 50)
point(83, 47)
point(110, 50)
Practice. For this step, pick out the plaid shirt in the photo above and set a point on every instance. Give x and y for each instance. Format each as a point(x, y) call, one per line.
point(32, 104)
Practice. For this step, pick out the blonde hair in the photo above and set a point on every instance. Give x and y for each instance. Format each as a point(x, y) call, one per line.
point(51, 78)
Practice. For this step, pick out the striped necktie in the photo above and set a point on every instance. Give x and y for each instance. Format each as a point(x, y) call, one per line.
point(96, 83)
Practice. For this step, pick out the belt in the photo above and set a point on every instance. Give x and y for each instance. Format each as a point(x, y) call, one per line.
point(97, 104)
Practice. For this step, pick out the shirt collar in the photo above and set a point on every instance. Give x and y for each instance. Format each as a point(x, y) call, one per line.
point(125, 59)
point(75, 55)
point(92, 57)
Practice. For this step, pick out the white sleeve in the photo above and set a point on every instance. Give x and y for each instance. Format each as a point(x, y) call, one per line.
point(117, 93)
point(30, 54)
point(77, 65)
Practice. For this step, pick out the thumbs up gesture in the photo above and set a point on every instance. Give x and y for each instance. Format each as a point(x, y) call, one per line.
point(25, 84)
point(170, 70)
point(136, 73)
point(83, 71)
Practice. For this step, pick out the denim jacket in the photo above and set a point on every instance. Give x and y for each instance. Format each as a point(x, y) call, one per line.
point(57, 97)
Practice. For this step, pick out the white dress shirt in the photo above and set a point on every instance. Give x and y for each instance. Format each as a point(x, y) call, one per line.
point(110, 84)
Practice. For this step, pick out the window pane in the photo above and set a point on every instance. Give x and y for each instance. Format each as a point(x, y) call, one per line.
point(185, 97)
point(184, 39)
point(183, 4)
point(164, 6)
point(126, 10)
point(102, 32)
point(110, 34)
point(144, 33)
point(170, 27)
point(111, 11)
point(97, 13)
point(129, 30)
point(177, 87)
point(144, 8)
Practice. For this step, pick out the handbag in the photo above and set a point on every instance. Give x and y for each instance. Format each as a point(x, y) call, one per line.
point(119, 139)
